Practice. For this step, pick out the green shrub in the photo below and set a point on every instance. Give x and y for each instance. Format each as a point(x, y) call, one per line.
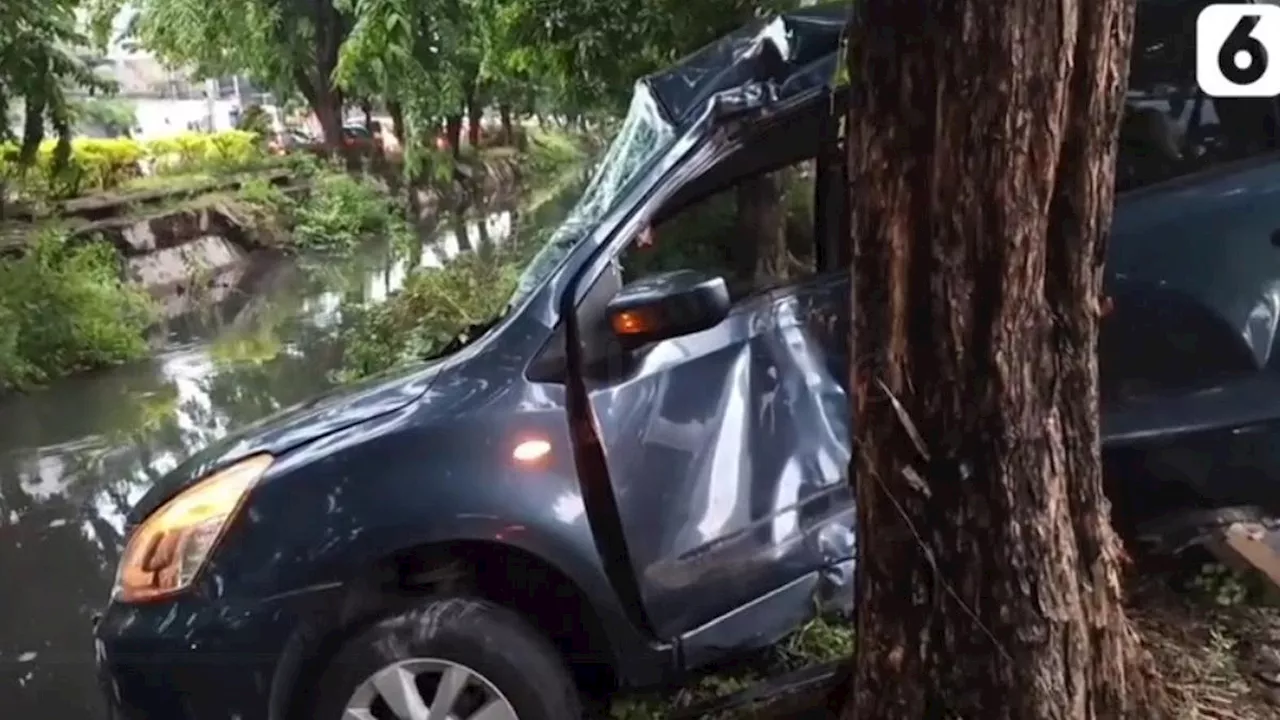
point(434, 305)
point(94, 164)
point(264, 210)
point(549, 153)
point(255, 120)
point(65, 309)
point(106, 164)
point(265, 194)
point(113, 116)
point(228, 151)
point(342, 211)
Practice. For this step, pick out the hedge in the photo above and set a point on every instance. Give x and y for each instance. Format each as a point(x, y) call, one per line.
point(105, 164)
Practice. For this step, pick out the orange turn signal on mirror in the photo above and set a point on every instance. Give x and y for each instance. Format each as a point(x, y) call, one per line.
point(632, 322)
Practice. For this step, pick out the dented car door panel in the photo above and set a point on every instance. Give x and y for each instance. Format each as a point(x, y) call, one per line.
point(728, 451)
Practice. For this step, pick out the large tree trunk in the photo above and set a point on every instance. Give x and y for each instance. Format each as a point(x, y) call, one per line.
point(326, 103)
point(981, 149)
point(328, 110)
point(317, 86)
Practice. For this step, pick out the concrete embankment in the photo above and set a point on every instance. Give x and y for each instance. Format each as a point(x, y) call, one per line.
point(172, 241)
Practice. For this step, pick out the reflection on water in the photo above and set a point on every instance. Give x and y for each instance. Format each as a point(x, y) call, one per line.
point(75, 456)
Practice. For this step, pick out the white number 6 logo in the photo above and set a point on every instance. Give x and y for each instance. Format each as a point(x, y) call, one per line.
point(1237, 46)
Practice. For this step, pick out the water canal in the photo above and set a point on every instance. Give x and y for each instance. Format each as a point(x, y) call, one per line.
point(76, 455)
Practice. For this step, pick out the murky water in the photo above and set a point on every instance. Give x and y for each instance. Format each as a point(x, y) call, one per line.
point(75, 456)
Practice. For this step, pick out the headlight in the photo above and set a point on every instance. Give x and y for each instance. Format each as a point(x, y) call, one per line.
point(166, 551)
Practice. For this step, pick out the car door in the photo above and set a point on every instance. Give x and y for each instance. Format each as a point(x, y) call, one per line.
point(727, 449)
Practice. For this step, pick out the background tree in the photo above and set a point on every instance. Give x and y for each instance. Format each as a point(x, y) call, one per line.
point(255, 119)
point(981, 141)
point(284, 44)
point(111, 116)
point(41, 58)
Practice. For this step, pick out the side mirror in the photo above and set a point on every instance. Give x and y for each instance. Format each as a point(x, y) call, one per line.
point(668, 305)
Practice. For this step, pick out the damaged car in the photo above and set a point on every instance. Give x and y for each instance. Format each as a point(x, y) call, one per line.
point(638, 469)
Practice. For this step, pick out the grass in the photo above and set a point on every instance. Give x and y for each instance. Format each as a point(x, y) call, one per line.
point(818, 641)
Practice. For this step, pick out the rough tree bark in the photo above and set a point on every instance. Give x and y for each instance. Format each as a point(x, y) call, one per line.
point(313, 76)
point(326, 103)
point(981, 142)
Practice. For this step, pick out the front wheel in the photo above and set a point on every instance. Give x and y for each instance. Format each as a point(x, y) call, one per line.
point(448, 659)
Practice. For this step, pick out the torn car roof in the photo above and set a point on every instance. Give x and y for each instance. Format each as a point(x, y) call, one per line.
point(793, 52)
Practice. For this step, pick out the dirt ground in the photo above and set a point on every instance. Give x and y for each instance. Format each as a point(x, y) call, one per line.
point(1220, 662)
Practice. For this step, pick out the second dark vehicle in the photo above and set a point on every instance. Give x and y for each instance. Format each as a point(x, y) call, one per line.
point(638, 469)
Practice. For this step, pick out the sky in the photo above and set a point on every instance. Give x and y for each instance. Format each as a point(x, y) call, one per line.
point(117, 27)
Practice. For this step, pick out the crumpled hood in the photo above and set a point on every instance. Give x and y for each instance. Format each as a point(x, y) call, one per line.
point(300, 424)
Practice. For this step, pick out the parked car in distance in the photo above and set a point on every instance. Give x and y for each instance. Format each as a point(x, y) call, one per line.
point(357, 136)
point(287, 140)
point(588, 491)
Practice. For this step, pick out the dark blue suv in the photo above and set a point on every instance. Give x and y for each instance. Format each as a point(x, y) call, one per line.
point(639, 468)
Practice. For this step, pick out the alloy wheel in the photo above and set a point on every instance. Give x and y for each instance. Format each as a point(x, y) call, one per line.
point(428, 689)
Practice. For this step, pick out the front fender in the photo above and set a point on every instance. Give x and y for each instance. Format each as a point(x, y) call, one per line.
point(328, 512)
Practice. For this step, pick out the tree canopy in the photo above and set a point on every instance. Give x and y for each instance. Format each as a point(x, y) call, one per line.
point(427, 60)
point(43, 53)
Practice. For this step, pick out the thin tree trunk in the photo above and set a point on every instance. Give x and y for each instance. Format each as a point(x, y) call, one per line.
point(396, 111)
point(475, 113)
point(981, 150)
point(484, 241)
point(759, 258)
point(508, 129)
point(460, 232)
point(453, 132)
point(415, 250)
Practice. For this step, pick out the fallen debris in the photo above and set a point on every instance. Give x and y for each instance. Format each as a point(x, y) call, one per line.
point(1221, 662)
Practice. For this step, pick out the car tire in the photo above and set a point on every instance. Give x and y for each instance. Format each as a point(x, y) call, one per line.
point(509, 661)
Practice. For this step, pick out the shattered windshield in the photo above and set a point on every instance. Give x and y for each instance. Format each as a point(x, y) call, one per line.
point(643, 137)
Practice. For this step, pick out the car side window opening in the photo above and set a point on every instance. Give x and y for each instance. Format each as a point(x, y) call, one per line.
point(1170, 128)
point(758, 234)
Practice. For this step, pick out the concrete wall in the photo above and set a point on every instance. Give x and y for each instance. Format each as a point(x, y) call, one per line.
point(159, 117)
